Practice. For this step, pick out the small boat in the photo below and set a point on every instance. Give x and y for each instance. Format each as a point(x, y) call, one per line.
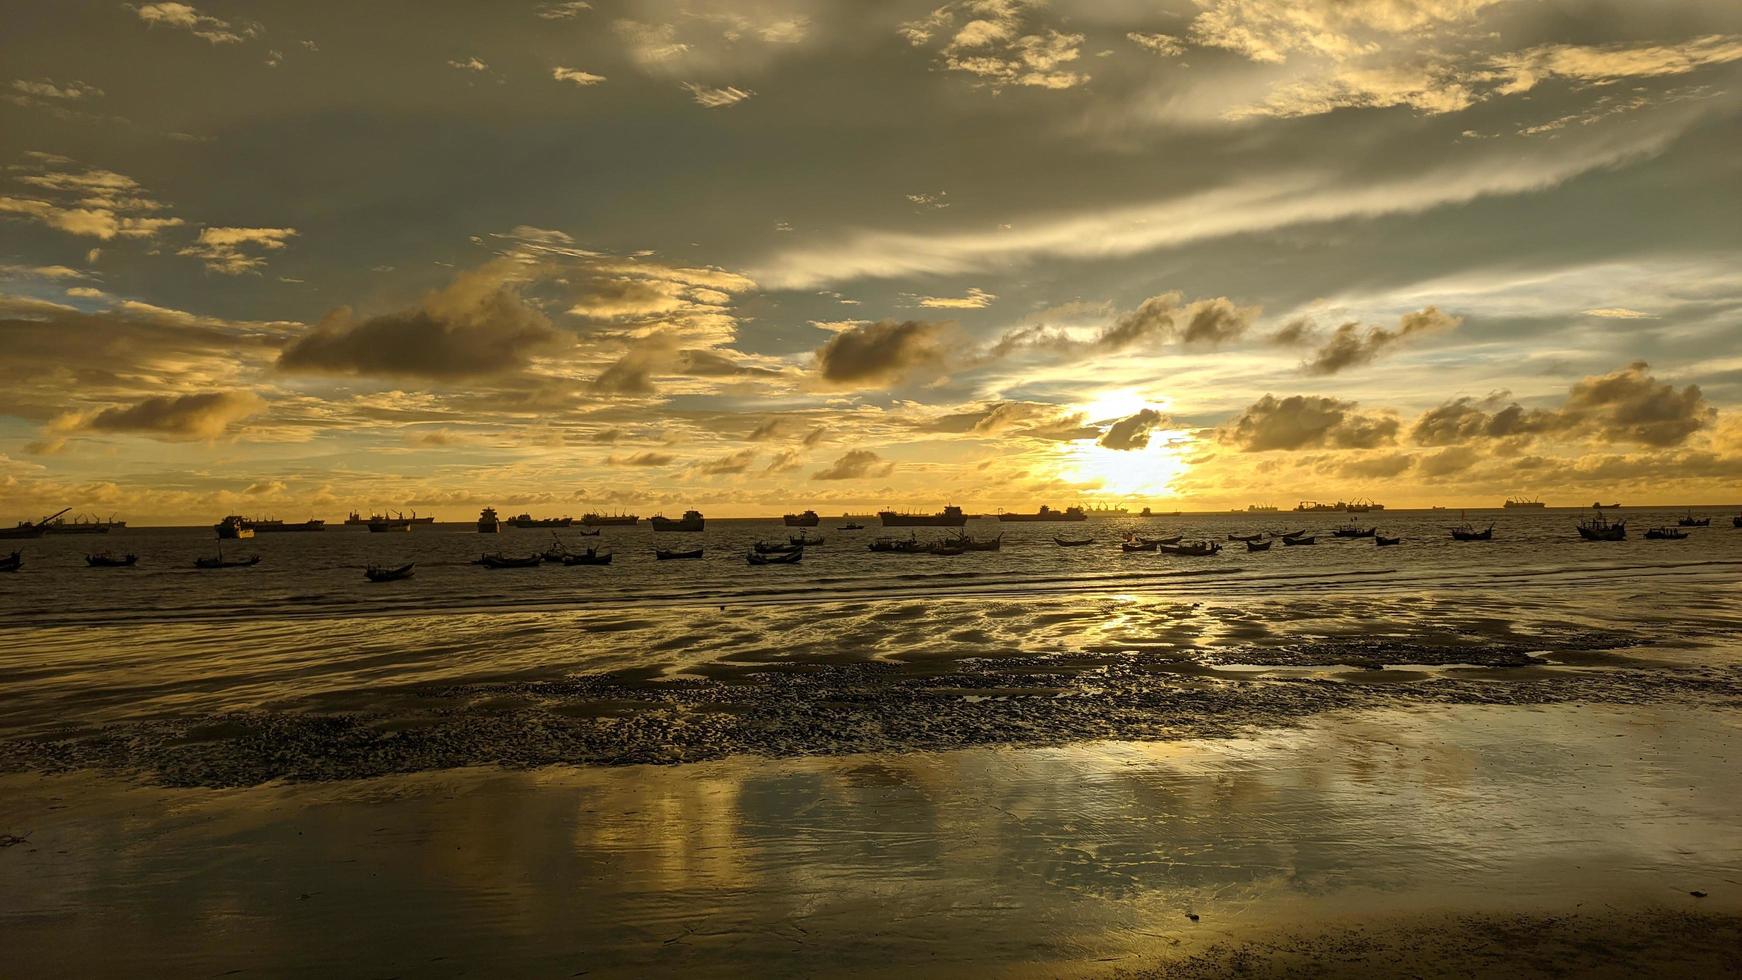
point(1079, 542)
point(589, 557)
point(787, 558)
point(977, 544)
point(1247, 537)
point(219, 561)
point(804, 541)
point(1289, 534)
point(1351, 530)
point(1467, 532)
point(668, 554)
point(1176, 539)
point(1691, 521)
point(1736, 521)
point(898, 546)
point(1385, 542)
point(776, 549)
point(12, 562)
point(1665, 534)
point(1259, 545)
point(557, 551)
point(851, 527)
point(1131, 546)
point(381, 573)
point(504, 561)
point(1193, 549)
point(588, 532)
point(1600, 528)
point(946, 548)
point(104, 559)
point(1300, 539)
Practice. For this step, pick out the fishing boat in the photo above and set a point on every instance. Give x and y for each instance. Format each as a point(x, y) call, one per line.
point(488, 522)
point(528, 521)
point(1080, 542)
point(762, 548)
point(690, 521)
point(1047, 514)
point(1193, 549)
point(978, 544)
point(807, 519)
point(505, 561)
point(12, 562)
point(219, 561)
point(1176, 539)
point(105, 559)
point(789, 558)
point(1691, 521)
point(1288, 534)
point(234, 528)
point(592, 556)
point(668, 554)
point(1736, 521)
point(1130, 547)
point(608, 520)
point(1467, 531)
point(854, 526)
point(589, 532)
point(1300, 539)
point(1527, 503)
point(897, 546)
point(1600, 528)
point(946, 547)
point(1259, 545)
point(1351, 530)
point(1385, 542)
point(381, 573)
point(1665, 534)
point(1247, 537)
point(31, 529)
point(950, 516)
point(806, 541)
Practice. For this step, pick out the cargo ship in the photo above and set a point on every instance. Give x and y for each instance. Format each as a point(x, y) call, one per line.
point(527, 520)
point(950, 516)
point(608, 520)
point(83, 525)
point(1261, 509)
point(354, 519)
point(275, 526)
point(1340, 507)
point(488, 523)
point(1048, 514)
point(1513, 503)
point(32, 529)
point(691, 521)
point(807, 519)
point(1105, 511)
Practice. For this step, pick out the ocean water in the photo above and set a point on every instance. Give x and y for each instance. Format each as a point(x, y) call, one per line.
point(320, 574)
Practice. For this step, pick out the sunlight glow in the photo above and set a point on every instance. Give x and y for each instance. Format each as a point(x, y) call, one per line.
point(1145, 473)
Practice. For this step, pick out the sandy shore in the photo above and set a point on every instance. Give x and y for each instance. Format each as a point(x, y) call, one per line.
point(1425, 839)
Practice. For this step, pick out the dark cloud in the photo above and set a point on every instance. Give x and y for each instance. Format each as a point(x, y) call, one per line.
point(1307, 422)
point(855, 464)
point(767, 430)
point(1133, 431)
point(784, 461)
point(182, 417)
point(1375, 467)
point(606, 436)
point(477, 327)
point(1160, 319)
point(640, 459)
point(881, 353)
point(1464, 420)
point(1349, 346)
point(1295, 333)
point(1446, 462)
point(1627, 406)
point(814, 437)
point(737, 462)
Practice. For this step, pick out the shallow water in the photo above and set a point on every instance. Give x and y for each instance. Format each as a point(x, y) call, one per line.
point(1073, 859)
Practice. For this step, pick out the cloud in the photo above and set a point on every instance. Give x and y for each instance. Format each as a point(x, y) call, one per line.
point(716, 98)
point(225, 249)
point(784, 461)
point(575, 75)
point(1133, 431)
point(855, 464)
point(1160, 319)
point(974, 299)
point(476, 327)
point(994, 43)
point(1271, 30)
point(1349, 347)
point(1165, 45)
point(731, 463)
point(470, 64)
point(881, 353)
point(1446, 462)
point(561, 9)
point(48, 88)
point(1464, 419)
point(203, 416)
point(640, 459)
point(1619, 313)
point(1521, 71)
point(91, 202)
point(184, 17)
point(1307, 422)
point(1623, 406)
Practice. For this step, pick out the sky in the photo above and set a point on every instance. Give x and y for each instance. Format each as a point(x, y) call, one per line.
point(751, 257)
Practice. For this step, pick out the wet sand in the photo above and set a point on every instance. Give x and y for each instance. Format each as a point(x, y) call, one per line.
point(1432, 840)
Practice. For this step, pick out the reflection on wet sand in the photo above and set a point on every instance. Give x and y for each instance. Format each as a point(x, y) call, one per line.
point(1070, 859)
